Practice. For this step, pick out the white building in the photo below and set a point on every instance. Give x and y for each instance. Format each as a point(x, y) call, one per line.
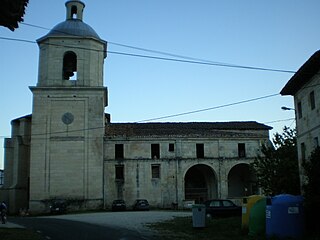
point(68, 148)
point(304, 86)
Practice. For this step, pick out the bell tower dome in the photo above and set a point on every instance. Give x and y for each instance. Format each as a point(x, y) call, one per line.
point(68, 115)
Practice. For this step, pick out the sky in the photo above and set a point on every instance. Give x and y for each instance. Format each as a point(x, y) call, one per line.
point(273, 34)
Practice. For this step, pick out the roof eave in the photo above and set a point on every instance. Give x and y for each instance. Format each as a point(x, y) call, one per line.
point(303, 75)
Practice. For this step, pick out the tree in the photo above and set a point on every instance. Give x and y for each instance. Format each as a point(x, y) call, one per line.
point(277, 169)
point(11, 12)
point(311, 190)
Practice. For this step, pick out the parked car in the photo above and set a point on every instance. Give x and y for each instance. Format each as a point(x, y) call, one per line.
point(58, 206)
point(141, 204)
point(216, 208)
point(119, 205)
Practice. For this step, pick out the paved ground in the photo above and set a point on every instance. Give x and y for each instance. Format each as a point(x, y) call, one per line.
point(131, 220)
point(10, 225)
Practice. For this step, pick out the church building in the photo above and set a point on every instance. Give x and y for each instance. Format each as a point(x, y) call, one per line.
point(68, 148)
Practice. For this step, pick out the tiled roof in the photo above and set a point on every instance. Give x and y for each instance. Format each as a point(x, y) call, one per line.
point(29, 117)
point(303, 75)
point(182, 128)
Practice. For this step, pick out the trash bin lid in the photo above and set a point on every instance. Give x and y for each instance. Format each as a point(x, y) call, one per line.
point(198, 206)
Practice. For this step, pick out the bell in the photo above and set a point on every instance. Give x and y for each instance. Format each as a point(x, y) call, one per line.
point(68, 71)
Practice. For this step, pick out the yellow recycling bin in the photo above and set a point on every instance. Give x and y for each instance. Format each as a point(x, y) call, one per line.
point(248, 203)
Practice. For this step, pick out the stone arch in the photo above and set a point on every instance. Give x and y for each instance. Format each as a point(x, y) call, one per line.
point(241, 181)
point(200, 183)
point(69, 66)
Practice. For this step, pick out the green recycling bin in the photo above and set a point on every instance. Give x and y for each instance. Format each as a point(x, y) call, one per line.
point(198, 215)
point(248, 203)
point(257, 218)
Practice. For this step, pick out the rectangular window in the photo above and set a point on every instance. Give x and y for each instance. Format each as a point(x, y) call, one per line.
point(1, 177)
point(155, 170)
point(155, 151)
point(200, 150)
point(241, 150)
point(299, 110)
point(118, 151)
point(171, 147)
point(312, 100)
point(316, 142)
point(119, 172)
point(303, 152)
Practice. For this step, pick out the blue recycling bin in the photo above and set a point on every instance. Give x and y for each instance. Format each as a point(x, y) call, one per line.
point(285, 216)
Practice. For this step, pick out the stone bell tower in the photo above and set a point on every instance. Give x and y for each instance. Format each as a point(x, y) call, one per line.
point(66, 159)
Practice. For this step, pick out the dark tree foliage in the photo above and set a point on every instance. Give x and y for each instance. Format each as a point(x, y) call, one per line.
point(277, 169)
point(11, 12)
point(311, 190)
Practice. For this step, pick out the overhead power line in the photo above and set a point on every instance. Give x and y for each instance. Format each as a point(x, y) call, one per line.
point(162, 58)
point(177, 58)
point(210, 108)
point(185, 113)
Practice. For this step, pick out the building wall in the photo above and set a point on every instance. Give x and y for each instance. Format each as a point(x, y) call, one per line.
point(66, 159)
point(307, 119)
point(90, 73)
point(15, 190)
point(220, 156)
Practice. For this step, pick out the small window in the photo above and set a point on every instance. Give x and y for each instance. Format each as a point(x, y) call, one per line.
point(303, 152)
point(312, 100)
point(155, 170)
point(316, 142)
point(70, 66)
point(155, 151)
point(299, 110)
point(119, 172)
point(171, 147)
point(1, 177)
point(119, 151)
point(200, 150)
point(241, 150)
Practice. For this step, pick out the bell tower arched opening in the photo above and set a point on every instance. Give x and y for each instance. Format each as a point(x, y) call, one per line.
point(200, 183)
point(74, 12)
point(69, 66)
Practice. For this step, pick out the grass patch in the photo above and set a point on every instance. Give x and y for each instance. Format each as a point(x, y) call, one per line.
point(18, 234)
point(180, 228)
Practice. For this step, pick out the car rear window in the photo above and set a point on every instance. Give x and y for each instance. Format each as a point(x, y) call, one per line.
point(215, 204)
point(227, 203)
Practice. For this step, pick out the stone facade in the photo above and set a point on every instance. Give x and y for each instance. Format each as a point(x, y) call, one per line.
point(68, 115)
point(304, 86)
point(177, 162)
point(15, 190)
point(68, 148)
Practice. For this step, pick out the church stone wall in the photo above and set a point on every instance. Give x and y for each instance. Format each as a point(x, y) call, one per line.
point(67, 158)
point(220, 156)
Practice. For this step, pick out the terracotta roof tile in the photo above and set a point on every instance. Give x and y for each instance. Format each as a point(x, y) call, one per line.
point(182, 128)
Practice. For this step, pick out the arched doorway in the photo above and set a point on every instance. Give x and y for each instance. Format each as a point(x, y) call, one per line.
point(241, 182)
point(200, 183)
